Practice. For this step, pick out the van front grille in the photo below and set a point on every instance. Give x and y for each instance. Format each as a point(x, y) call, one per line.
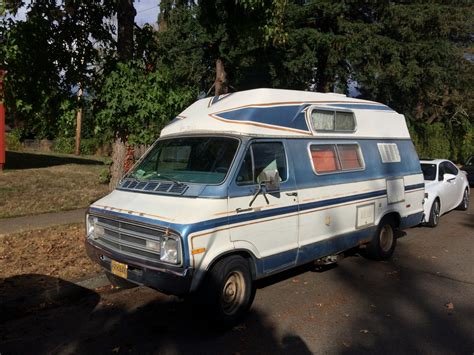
point(128, 238)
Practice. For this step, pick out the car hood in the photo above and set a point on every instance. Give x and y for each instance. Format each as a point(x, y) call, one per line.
point(164, 210)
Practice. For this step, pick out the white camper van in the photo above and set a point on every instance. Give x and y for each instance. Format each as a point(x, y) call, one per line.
point(242, 186)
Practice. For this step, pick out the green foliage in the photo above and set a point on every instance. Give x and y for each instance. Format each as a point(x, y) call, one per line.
point(13, 139)
point(139, 103)
point(67, 145)
point(64, 145)
point(104, 175)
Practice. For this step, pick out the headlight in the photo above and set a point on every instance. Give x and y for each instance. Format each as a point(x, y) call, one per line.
point(91, 221)
point(169, 250)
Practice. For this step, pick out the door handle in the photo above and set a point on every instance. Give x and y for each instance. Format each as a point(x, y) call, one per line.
point(292, 194)
point(240, 210)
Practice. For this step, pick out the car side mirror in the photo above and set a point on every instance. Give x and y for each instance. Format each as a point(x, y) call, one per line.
point(271, 179)
point(449, 177)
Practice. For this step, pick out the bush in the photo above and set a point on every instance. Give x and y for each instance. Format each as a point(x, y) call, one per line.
point(89, 146)
point(67, 145)
point(64, 145)
point(12, 140)
point(104, 175)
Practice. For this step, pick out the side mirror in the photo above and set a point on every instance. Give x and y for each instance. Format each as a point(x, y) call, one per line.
point(449, 177)
point(271, 179)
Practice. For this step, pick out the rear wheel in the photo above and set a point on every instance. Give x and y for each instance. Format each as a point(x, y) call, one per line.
point(228, 291)
point(384, 241)
point(464, 205)
point(434, 214)
point(119, 282)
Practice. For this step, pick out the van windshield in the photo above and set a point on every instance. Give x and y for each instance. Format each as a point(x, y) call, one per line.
point(204, 160)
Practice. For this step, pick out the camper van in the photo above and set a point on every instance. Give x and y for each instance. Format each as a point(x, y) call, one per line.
point(239, 187)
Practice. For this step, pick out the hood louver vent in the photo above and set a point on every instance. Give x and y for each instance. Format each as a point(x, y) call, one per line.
point(154, 187)
point(163, 187)
point(178, 189)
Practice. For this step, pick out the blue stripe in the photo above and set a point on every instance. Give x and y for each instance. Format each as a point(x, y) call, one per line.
point(186, 229)
point(363, 107)
point(280, 116)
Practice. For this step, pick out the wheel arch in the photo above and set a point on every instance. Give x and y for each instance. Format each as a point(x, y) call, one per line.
point(245, 253)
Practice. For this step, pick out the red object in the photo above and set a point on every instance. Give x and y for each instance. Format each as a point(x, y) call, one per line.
point(324, 158)
point(2, 123)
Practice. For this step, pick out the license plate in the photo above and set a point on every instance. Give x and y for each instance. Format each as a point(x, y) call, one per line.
point(119, 269)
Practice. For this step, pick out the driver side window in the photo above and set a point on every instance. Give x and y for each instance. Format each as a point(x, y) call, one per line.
point(262, 157)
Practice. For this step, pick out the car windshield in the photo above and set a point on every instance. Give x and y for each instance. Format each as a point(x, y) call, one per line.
point(204, 160)
point(429, 171)
point(470, 161)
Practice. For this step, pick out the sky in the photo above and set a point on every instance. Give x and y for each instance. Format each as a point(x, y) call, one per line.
point(147, 11)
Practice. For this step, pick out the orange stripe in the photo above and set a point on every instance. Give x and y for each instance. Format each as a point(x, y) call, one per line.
point(262, 125)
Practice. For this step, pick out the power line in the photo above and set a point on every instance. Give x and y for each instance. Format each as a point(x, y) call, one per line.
point(150, 8)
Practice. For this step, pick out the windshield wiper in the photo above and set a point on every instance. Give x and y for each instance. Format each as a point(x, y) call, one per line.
point(166, 177)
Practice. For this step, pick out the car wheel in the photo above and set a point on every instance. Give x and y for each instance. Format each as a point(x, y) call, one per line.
point(434, 214)
point(228, 291)
point(119, 282)
point(465, 201)
point(384, 241)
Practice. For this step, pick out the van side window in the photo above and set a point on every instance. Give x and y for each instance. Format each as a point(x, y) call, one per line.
point(324, 158)
point(329, 158)
point(389, 152)
point(261, 157)
point(327, 120)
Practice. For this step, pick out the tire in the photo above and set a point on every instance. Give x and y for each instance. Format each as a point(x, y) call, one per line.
point(384, 241)
point(464, 205)
point(119, 282)
point(227, 291)
point(434, 214)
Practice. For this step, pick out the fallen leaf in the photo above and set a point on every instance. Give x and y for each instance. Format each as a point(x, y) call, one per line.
point(295, 280)
point(319, 304)
point(449, 305)
point(364, 331)
point(116, 350)
point(347, 345)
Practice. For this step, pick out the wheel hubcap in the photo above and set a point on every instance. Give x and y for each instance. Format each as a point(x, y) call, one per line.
point(233, 293)
point(436, 213)
point(386, 237)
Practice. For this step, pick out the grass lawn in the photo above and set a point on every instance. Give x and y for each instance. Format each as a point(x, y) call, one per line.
point(39, 183)
point(57, 252)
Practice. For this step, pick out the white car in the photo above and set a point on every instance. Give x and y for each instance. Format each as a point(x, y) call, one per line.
point(446, 188)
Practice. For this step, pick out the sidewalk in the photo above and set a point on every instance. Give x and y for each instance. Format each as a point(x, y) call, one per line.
point(45, 220)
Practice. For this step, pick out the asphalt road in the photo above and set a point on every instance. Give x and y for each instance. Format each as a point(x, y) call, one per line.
point(422, 301)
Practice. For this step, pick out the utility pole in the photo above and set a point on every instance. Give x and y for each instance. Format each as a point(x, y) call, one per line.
point(79, 121)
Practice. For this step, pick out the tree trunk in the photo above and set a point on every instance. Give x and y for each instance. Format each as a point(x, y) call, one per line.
point(221, 84)
point(125, 20)
point(79, 122)
point(119, 157)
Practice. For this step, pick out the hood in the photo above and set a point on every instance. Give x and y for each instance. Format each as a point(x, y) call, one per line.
point(160, 209)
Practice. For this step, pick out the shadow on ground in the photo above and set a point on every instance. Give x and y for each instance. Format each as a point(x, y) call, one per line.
point(91, 324)
point(413, 305)
point(22, 160)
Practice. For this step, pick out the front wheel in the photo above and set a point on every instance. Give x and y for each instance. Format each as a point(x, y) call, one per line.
point(384, 241)
point(464, 205)
point(228, 290)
